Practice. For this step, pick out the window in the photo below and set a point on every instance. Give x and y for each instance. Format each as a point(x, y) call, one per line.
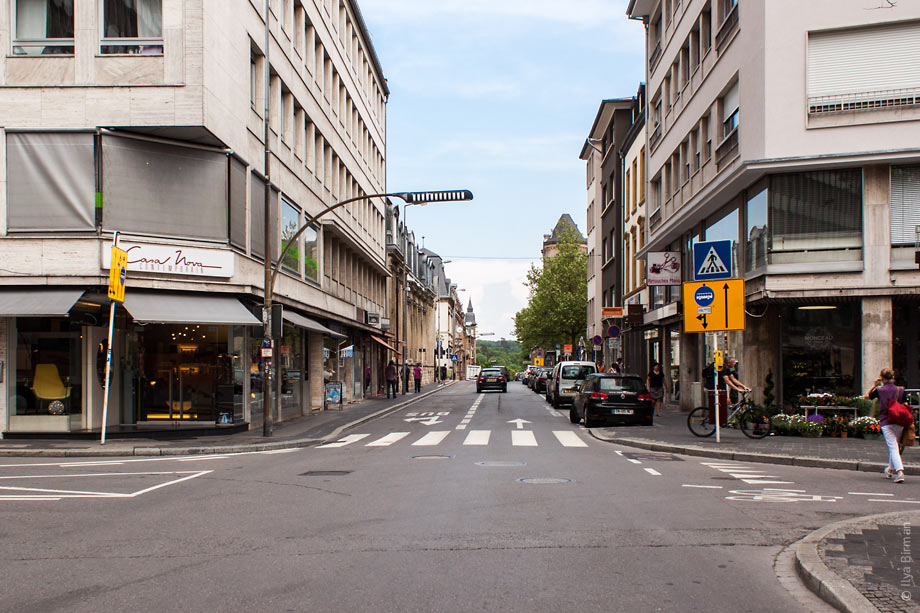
point(905, 204)
point(756, 221)
point(290, 223)
point(132, 27)
point(43, 27)
point(727, 7)
point(730, 110)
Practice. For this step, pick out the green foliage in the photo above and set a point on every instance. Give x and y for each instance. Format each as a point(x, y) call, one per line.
point(556, 311)
point(769, 398)
point(501, 353)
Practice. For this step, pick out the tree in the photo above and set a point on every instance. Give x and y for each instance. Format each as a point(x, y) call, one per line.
point(557, 309)
point(500, 353)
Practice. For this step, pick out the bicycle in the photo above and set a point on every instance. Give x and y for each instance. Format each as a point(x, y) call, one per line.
point(753, 421)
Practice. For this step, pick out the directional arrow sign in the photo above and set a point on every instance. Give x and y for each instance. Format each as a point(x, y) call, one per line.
point(520, 422)
point(428, 421)
point(713, 306)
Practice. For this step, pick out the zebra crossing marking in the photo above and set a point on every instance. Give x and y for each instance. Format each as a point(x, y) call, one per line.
point(519, 438)
point(351, 438)
point(523, 438)
point(478, 437)
point(431, 439)
point(389, 439)
point(569, 439)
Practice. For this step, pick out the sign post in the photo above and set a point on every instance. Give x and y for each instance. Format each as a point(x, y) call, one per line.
point(715, 394)
point(116, 292)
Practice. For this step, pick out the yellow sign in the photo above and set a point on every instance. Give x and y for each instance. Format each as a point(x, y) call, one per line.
point(117, 274)
point(538, 361)
point(611, 312)
point(714, 306)
point(718, 360)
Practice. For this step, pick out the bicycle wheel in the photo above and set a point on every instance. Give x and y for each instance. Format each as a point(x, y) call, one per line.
point(755, 423)
point(700, 423)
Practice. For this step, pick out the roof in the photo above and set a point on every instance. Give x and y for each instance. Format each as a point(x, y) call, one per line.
point(565, 223)
point(470, 318)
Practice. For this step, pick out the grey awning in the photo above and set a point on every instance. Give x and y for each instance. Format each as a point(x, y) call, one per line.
point(309, 324)
point(38, 302)
point(161, 308)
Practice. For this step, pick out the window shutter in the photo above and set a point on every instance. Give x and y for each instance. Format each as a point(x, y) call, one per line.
point(730, 102)
point(905, 204)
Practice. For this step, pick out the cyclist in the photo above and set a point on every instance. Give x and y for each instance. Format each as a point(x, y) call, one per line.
point(728, 378)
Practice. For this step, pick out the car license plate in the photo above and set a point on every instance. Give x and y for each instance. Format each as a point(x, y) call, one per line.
point(622, 411)
point(571, 390)
point(491, 379)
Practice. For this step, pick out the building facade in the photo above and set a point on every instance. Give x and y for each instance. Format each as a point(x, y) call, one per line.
point(147, 118)
point(774, 125)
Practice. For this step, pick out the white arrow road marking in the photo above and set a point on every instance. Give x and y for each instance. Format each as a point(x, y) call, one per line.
point(389, 439)
point(428, 421)
point(520, 422)
point(351, 438)
point(431, 439)
point(652, 471)
point(569, 438)
point(523, 438)
point(478, 437)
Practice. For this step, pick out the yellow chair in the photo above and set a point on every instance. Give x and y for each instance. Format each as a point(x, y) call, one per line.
point(47, 384)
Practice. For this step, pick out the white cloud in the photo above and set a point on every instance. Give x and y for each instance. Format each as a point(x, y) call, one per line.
point(496, 288)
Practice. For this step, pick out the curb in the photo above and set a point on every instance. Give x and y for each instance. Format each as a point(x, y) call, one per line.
point(218, 449)
point(749, 456)
point(824, 582)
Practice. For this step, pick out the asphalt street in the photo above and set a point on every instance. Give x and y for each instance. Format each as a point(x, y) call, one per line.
point(460, 502)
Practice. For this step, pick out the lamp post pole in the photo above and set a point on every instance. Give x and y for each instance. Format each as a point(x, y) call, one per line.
point(267, 306)
point(271, 271)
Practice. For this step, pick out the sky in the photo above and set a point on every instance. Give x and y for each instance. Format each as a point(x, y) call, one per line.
point(497, 96)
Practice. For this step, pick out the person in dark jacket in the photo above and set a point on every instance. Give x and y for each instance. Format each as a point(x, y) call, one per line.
point(390, 374)
point(887, 392)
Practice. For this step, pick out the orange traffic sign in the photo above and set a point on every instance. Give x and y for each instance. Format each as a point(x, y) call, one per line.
point(117, 274)
point(714, 306)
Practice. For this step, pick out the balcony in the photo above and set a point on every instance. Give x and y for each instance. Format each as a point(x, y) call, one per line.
point(866, 101)
point(655, 136)
point(654, 57)
point(727, 29)
point(727, 149)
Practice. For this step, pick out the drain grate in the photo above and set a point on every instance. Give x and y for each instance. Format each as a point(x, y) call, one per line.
point(325, 473)
point(500, 464)
point(544, 480)
point(431, 457)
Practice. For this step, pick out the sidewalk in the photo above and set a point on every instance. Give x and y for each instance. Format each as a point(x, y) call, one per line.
point(296, 432)
point(670, 434)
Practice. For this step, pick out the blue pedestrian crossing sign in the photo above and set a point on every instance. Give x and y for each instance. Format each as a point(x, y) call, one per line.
point(712, 260)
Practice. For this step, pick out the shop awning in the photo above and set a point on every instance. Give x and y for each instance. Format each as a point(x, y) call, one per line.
point(380, 341)
point(162, 308)
point(309, 324)
point(38, 302)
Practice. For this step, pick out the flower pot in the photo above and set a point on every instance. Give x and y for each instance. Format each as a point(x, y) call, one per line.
point(872, 436)
point(843, 434)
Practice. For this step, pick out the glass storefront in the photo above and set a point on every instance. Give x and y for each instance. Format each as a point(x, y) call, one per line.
point(292, 369)
point(906, 337)
point(820, 350)
point(48, 366)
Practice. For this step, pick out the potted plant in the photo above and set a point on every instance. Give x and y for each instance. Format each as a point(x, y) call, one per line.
point(812, 427)
point(781, 423)
point(866, 427)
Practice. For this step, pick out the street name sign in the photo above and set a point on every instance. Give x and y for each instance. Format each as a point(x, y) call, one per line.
point(713, 306)
point(712, 260)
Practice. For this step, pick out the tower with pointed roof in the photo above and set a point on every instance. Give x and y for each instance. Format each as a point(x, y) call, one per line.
point(565, 225)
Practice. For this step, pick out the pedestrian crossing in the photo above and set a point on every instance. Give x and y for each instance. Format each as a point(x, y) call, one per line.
point(480, 438)
point(745, 473)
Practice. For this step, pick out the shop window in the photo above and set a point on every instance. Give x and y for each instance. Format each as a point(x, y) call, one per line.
point(43, 27)
point(48, 367)
point(820, 350)
point(132, 27)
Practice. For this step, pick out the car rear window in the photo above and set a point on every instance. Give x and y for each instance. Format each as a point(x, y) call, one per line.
point(491, 372)
point(576, 372)
point(620, 384)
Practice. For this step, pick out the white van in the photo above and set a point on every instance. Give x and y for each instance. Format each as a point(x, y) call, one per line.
point(567, 376)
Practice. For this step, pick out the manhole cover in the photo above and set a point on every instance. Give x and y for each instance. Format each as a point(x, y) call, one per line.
point(325, 473)
point(500, 464)
point(431, 457)
point(544, 480)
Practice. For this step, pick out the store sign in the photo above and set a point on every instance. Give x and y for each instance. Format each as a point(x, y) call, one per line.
point(175, 260)
point(663, 268)
point(610, 312)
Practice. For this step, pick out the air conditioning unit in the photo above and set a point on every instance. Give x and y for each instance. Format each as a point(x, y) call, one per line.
point(372, 319)
point(384, 323)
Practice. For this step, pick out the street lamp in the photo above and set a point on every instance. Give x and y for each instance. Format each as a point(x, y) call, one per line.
point(271, 272)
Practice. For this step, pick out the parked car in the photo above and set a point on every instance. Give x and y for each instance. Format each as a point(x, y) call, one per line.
point(568, 376)
point(528, 374)
point(612, 399)
point(492, 379)
point(539, 380)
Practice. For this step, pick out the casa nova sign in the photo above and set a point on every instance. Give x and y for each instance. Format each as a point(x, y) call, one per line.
point(174, 259)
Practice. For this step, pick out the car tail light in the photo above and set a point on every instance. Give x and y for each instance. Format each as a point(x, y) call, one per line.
point(501, 379)
point(644, 397)
point(598, 396)
point(481, 379)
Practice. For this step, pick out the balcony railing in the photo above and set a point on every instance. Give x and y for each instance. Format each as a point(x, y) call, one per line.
point(728, 148)
point(864, 101)
point(655, 136)
point(727, 29)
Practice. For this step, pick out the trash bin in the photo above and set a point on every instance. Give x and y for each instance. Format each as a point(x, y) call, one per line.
point(723, 405)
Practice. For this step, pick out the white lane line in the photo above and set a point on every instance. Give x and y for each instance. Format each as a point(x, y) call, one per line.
point(389, 439)
point(890, 500)
point(432, 438)
point(618, 452)
point(633, 461)
point(705, 487)
point(523, 438)
point(465, 421)
point(478, 437)
point(754, 476)
point(221, 457)
point(867, 494)
point(351, 438)
point(568, 438)
point(652, 471)
point(767, 482)
point(461, 427)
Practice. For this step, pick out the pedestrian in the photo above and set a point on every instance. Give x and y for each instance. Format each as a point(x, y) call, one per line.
point(600, 367)
point(887, 392)
point(655, 383)
point(367, 379)
point(443, 372)
point(390, 374)
point(615, 367)
point(417, 375)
